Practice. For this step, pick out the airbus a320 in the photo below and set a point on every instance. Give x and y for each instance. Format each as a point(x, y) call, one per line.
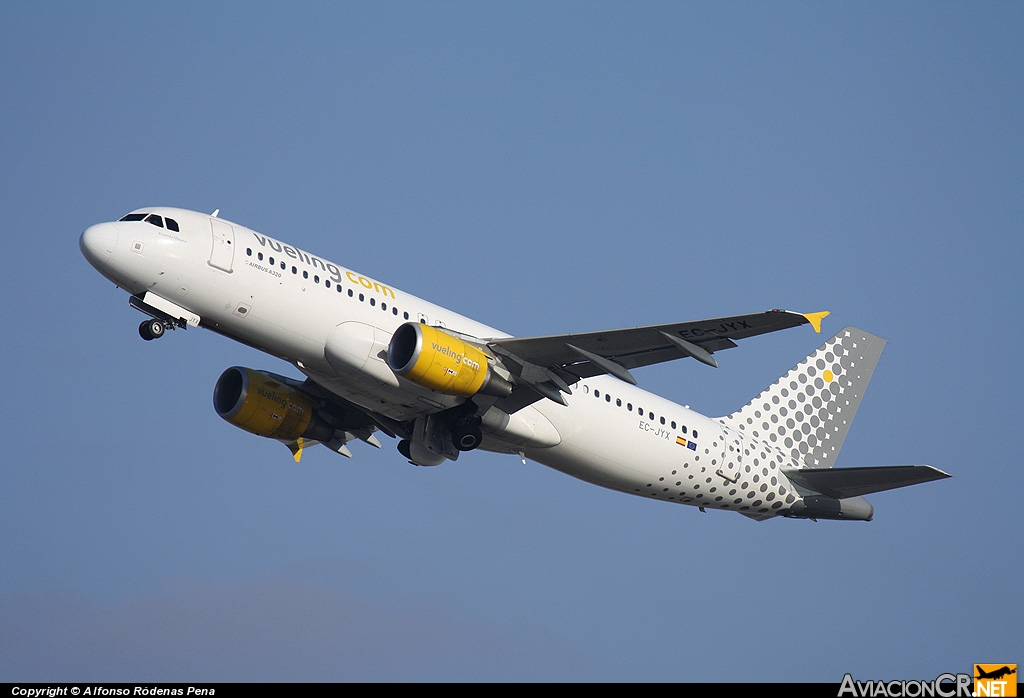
point(379, 360)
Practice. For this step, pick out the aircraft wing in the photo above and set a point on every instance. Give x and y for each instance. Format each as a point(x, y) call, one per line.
point(548, 366)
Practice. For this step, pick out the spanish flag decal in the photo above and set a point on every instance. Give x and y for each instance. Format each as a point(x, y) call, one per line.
point(692, 445)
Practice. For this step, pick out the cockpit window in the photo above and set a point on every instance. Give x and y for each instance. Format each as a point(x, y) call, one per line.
point(153, 218)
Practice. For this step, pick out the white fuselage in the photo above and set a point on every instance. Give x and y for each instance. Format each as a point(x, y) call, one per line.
point(334, 325)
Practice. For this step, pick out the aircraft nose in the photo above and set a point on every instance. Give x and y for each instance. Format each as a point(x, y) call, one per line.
point(97, 242)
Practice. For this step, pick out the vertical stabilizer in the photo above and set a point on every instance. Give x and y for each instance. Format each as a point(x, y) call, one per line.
point(807, 412)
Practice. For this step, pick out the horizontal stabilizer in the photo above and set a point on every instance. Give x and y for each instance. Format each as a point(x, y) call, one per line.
point(854, 482)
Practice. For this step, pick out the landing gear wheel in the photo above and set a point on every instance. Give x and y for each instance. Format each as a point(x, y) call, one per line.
point(152, 329)
point(466, 438)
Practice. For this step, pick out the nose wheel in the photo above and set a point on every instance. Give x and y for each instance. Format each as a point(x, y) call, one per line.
point(152, 329)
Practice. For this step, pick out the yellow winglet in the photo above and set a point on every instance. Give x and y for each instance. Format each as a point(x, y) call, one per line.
point(296, 448)
point(815, 319)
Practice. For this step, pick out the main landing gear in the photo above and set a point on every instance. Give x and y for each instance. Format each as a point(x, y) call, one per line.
point(435, 437)
point(467, 435)
point(152, 329)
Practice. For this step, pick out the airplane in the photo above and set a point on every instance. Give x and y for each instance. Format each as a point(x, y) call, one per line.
point(377, 359)
point(995, 673)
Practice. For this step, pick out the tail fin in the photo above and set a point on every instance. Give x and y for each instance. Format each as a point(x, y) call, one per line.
point(807, 412)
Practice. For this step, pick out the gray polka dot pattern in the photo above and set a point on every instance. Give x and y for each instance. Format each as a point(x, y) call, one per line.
point(807, 412)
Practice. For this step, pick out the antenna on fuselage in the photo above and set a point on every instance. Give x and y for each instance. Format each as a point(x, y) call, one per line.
point(214, 214)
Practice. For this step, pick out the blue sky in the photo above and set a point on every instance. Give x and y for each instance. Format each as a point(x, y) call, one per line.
point(542, 167)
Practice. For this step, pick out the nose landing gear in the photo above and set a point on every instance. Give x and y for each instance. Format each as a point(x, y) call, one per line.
point(152, 329)
point(165, 315)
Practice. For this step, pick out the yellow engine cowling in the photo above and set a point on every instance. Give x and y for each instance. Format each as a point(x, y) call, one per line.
point(432, 358)
point(260, 404)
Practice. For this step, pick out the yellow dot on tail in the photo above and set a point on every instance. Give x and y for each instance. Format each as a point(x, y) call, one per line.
point(828, 376)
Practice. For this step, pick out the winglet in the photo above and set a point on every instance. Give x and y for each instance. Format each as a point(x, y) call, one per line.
point(815, 319)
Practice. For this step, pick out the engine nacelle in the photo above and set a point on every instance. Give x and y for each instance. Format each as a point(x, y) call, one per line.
point(263, 405)
point(434, 359)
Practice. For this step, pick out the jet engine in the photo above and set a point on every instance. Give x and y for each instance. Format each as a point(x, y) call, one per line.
point(434, 359)
point(264, 404)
